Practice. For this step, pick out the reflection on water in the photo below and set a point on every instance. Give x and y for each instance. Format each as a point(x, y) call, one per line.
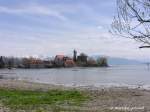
point(119, 75)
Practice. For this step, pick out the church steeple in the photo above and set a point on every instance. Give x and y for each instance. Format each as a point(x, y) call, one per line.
point(75, 55)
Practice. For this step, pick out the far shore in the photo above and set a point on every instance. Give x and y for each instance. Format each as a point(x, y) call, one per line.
point(101, 99)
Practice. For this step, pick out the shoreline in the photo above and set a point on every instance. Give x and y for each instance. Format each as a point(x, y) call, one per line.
point(15, 82)
point(27, 85)
point(101, 98)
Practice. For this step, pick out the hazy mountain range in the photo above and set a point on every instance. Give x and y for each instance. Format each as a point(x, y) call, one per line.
point(120, 61)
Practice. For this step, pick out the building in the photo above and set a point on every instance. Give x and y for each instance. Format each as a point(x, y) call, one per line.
point(82, 58)
point(74, 55)
point(59, 60)
point(63, 61)
point(32, 63)
point(69, 62)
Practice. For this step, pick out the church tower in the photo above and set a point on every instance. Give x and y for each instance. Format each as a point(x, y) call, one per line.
point(74, 55)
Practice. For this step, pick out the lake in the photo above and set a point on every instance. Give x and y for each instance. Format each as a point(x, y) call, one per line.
point(133, 75)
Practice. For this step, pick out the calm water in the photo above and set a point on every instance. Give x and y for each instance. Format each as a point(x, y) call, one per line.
point(115, 75)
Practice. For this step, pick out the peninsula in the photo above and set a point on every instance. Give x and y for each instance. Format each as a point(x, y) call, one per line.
point(81, 60)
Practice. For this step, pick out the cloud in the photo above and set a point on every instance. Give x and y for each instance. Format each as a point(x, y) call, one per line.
point(87, 41)
point(81, 25)
point(33, 10)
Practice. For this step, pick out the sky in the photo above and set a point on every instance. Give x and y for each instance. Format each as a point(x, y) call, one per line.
point(48, 27)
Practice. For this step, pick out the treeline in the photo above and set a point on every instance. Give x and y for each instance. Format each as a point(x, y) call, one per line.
point(99, 62)
point(85, 61)
point(59, 61)
point(31, 62)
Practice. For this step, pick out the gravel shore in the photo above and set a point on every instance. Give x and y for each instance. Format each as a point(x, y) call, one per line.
point(109, 99)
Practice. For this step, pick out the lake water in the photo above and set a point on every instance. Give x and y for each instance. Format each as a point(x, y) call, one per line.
point(111, 76)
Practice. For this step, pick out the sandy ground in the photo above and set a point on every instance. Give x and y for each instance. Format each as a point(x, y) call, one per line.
point(112, 99)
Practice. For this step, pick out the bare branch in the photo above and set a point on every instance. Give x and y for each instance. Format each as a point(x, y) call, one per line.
point(133, 20)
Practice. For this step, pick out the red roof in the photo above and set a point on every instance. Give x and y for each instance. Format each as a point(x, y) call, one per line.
point(60, 56)
point(69, 63)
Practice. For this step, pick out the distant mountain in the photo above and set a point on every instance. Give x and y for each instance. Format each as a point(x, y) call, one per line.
point(120, 61)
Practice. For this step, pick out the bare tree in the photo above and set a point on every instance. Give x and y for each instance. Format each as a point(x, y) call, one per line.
point(133, 20)
point(102, 61)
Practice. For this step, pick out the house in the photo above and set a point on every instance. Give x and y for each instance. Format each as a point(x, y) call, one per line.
point(63, 61)
point(69, 62)
point(59, 60)
point(32, 63)
point(36, 63)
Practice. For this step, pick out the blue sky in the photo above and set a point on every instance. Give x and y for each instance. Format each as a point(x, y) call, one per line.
point(49, 27)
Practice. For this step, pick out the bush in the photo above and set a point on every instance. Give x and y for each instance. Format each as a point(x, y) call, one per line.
point(102, 61)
